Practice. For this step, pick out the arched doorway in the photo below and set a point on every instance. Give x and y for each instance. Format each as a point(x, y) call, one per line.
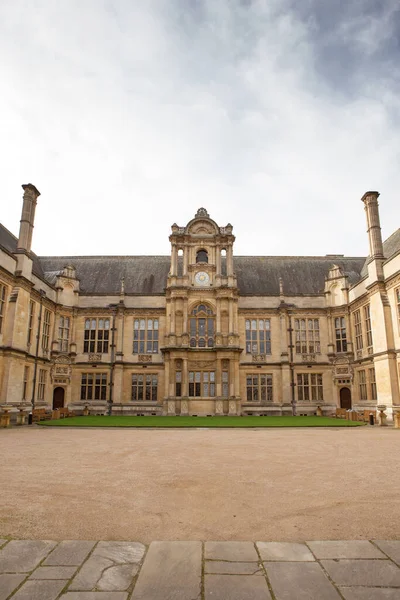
point(345, 398)
point(58, 398)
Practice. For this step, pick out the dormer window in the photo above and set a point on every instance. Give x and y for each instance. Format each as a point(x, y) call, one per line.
point(202, 256)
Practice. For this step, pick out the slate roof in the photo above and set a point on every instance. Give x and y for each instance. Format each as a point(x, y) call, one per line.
point(256, 275)
point(391, 246)
point(8, 241)
point(147, 275)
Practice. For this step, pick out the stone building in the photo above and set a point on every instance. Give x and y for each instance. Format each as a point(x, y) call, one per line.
point(202, 331)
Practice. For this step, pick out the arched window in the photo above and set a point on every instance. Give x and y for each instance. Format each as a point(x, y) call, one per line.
point(202, 256)
point(202, 327)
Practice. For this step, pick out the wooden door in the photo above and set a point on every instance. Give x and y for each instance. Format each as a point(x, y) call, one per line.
point(345, 398)
point(58, 398)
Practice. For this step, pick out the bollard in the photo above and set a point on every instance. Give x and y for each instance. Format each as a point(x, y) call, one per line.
point(371, 419)
point(397, 420)
point(30, 419)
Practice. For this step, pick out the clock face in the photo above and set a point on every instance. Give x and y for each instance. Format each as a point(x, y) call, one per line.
point(202, 278)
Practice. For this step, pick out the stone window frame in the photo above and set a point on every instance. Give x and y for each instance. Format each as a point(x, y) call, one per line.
point(64, 329)
point(94, 386)
point(368, 326)
point(258, 336)
point(358, 331)
point(31, 321)
point(144, 387)
point(307, 338)
point(362, 384)
point(340, 334)
point(310, 387)
point(96, 337)
point(25, 383)
point(197, 337)
point(46, 330)
point(397, 300)
point(372, 384)
point(3, 297)
point(42, 384)
point(259, 388)
point(146, 335)
point(202, 384)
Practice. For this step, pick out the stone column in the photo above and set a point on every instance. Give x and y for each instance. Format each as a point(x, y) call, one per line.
point(230, 306)
point(218, 260)
point(31, 195)
point(174, 260)
point(370, 200)
point(229, 260)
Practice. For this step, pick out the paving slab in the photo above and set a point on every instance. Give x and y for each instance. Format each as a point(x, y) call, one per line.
point(281, 551)
point(69, 553)
point(90, 573)
point(300, 581)
point(235, 551)
point(363, 572)
point(53, 573)
point(95, 596)
point(39, 590)
point(117, 578)
point(2, 542)
point(120, 552)
point(170, 570)
point(8, 583)
point(22, 556)
point(391, 548)
point(236, 587)
point(372, 593)
point(345, 549)
point(232, 568)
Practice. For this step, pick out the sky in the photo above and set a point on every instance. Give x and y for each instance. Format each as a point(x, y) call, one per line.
point(275, 115)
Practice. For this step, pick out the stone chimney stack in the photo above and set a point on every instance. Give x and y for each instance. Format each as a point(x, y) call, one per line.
point(31, 195)
point(370, 200)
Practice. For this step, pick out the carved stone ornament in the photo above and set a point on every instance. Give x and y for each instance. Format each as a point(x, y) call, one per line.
point(184, 407)
point(94, 357)
point(61, 371)
point(202, 213)
point(145, 358)
point(219, 407)
point(257, 358)
point(342, 369)
point(201, 364)
point(308, 358)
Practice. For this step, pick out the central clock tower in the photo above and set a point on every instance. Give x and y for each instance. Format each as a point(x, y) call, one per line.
point(202, 350)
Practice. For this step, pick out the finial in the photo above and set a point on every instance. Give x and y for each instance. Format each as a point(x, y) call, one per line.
point(202, 213)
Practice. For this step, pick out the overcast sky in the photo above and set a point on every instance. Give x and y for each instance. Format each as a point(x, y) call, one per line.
point(128, 115)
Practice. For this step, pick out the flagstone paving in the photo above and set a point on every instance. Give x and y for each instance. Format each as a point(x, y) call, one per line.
point(193, 570)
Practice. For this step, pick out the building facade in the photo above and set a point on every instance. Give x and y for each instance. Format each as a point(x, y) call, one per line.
point(202, 331)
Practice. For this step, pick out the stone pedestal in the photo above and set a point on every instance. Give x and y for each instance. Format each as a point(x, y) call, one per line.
point(5, 418)
point(232, 408)
point(381, 415)
point(219, 407)
point(397, 420)
point(319, 411)
point(21, 417)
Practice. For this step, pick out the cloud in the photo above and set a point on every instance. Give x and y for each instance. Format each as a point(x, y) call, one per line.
point(275, 115)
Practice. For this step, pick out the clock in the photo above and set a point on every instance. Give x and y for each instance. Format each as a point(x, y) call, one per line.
point(202, 278)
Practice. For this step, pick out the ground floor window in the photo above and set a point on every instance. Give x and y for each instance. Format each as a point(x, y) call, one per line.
point(25, 384)
point(259, 387)
point(362, 385)
point(225, 384)
point(42, 384)
point(144, 387)
point(94, 386)
point(309, 387)
point(201, 384)
point(372, 384)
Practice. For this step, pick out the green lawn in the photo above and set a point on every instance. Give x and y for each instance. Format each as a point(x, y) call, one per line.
point(125, 421)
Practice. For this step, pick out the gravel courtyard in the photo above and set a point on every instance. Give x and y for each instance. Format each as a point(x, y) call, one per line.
point(144, 485)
